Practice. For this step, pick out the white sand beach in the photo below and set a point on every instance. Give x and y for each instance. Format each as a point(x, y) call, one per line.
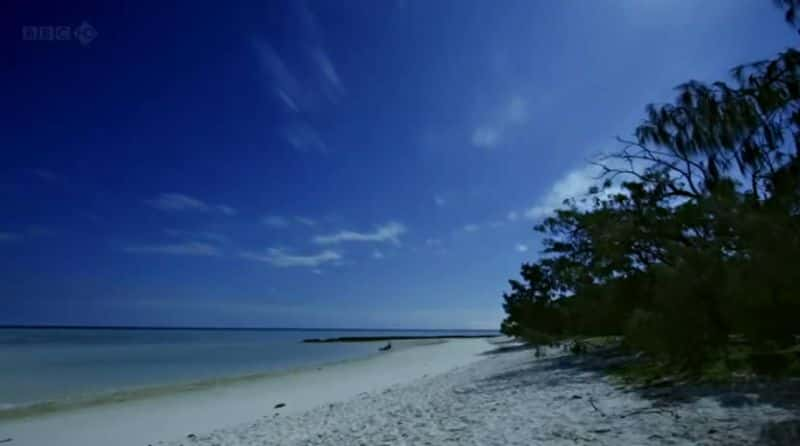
point(458, 392)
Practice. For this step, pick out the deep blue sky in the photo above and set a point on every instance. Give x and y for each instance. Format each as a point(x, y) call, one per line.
point(334, 164)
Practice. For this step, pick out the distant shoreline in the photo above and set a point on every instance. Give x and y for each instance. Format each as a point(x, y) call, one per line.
point(394, 338)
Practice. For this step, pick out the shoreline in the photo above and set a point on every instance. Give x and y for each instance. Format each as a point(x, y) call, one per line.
point(149, 420)
point(468, 391)
point(33, 409)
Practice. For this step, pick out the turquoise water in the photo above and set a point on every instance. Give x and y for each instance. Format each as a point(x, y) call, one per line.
point(66, 366)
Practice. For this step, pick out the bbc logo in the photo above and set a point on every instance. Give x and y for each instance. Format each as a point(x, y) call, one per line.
point(84, 33)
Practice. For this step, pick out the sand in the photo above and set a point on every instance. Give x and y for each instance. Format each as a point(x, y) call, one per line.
point(458, 393)
point(510, 399)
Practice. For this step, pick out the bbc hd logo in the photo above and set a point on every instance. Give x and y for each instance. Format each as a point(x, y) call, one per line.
point(83, 33)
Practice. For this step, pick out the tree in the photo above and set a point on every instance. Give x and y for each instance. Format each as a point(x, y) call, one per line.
point(700, 239)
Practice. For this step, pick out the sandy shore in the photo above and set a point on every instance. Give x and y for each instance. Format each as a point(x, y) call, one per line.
point(512, 398)
point(457, 393)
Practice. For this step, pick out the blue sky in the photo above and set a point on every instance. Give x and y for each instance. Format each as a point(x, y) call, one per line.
point(320, 164)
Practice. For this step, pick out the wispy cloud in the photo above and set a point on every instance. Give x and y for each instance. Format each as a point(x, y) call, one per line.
point(9, 236)
point(175, 202)
point(433, 243)
point(521, 247)
point(304, 138)
point(204, 235)
point(503, 120)
point(280, 258)
point(389, 232)
point(280, 222)
point(305, 221)
point(377, 255)
point(331, 82)
point(178, 249)
point(512, 216)
point(275, 221)
point(227, 210)
point(485, 137)
point(45, 175)
point(306, 84)
point(439, 200)
point(471, 227)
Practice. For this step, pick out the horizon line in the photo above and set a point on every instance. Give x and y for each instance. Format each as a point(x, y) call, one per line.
point(211, 328)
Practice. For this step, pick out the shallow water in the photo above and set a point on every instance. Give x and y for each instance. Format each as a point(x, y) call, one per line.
point(53, 367)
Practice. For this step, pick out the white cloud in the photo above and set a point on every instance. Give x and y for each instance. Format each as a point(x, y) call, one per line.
point(275, 221)
point(521, 247)
point(390, 232)
point(574, 184)
point(305, 221)
point(471, 227)
point(175, 202)
point(512, 216)
point(180, 249)
point(9, 237)
point(439, 200)
point(281, 259)
point(317, 271)
point(377, 254)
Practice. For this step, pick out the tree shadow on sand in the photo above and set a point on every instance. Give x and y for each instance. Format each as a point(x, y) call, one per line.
point(663, 394)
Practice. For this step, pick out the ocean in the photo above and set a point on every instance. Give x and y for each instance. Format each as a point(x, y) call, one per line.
point(48, 369)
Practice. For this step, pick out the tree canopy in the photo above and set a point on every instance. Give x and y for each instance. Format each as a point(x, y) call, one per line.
point(692, 233)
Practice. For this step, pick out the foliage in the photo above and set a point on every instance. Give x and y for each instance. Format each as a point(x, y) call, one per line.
point(693, 234)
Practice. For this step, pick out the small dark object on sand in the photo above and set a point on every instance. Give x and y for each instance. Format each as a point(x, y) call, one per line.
point(279, 405)
point(5, 440)
point(388, 346)
point(191, 436)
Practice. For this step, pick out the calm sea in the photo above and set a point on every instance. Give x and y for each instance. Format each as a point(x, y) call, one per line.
point(49, 368)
